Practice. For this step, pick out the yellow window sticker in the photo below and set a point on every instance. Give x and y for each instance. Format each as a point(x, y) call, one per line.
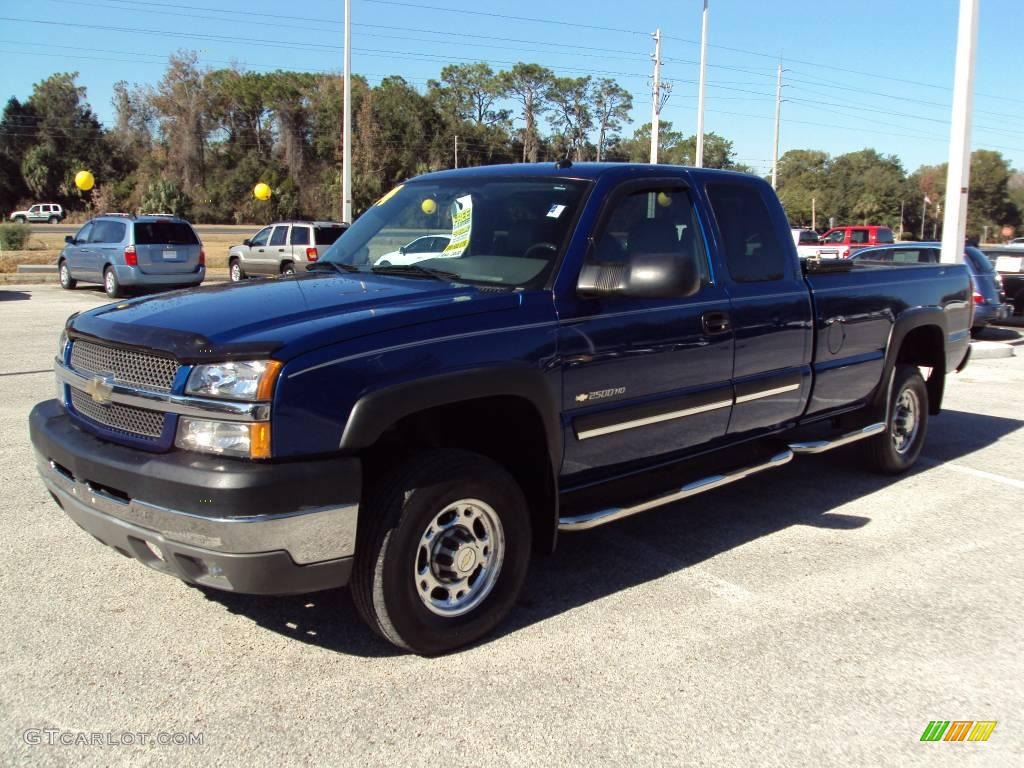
point(462, 227)
point(389, 195)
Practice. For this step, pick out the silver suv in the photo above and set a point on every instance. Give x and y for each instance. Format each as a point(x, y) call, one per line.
point(282, 247)
point(123, 251)
point(40, 212)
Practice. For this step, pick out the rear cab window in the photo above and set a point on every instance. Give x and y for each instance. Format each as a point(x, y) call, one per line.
point(164, 233)
point(753, 252)
point(327, 235)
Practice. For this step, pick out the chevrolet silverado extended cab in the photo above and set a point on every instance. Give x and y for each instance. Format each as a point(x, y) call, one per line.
point(592, 341)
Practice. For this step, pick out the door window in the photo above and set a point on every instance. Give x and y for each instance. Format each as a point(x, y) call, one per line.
point(84, 233)
point(658, 220)
point(858, 236)
point(835, 237)
point(753, 252)
point(300, 236)
point(883, 235)
point(35, 209)
point(280, 236)
point(260, 238)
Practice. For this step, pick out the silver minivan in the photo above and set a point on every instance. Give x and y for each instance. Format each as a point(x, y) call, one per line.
point(122, 251)
point(282, 247)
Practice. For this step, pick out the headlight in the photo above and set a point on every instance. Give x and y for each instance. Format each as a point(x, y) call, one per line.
point(229, 438)
point(62, 346)
point(235, 380)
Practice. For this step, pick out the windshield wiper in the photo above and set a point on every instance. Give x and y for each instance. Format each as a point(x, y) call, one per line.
point(415, 270)
point(337, 265)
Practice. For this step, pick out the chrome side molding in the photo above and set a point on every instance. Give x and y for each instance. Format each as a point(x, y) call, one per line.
point(820, 446)
point(602, 516)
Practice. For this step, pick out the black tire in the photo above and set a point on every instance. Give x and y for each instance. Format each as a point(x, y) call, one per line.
point(235, 271)
point(20, 219)
point(67, 282)
point(111, 285)
point(394, 523)
point(54, 220)
point(894, 451)
point(287, 269)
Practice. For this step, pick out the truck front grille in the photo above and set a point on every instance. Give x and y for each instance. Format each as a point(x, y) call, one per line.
point(137, 422)
point(128, 366)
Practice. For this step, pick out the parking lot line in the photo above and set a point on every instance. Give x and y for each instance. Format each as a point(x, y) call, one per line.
point(980, 473)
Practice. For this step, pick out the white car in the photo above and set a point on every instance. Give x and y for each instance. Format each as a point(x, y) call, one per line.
point(50, 213)
point(420, 249)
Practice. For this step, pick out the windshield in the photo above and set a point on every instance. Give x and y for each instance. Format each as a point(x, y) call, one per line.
point(497, 231)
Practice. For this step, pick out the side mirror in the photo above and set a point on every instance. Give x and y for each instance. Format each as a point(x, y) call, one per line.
point(247, 242)
point(645, 276)
point(401, 250)
point(69, 239)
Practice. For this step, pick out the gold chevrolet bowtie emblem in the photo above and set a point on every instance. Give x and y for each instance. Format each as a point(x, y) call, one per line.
point(100, 387)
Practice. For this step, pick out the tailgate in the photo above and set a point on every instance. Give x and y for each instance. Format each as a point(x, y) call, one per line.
point(166, 247)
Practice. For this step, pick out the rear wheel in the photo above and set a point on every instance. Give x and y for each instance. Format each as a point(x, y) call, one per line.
point(287, 269)
point(896, 449)
point(67, 282)
point(236, 272)
point(444, 545)
point(54, 220)
point(111, 284)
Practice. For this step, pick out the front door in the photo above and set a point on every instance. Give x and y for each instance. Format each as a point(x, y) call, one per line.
point(644, 378)
point(257, 260)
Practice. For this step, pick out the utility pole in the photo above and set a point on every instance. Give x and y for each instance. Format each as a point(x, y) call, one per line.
point(924, 214)
point(456, 150)
point(778, 114)
point(656, 96)
point(901, 220)
point(346, 151)
point(699, 160)
point(814, 215)
point(959, 175)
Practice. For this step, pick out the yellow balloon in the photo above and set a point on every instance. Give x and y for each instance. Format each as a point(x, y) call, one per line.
point(428, 205)
point(261, 191)
point(84, 181)
point(664, 200)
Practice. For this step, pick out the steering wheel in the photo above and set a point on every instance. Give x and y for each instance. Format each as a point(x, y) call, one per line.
point(538, 246)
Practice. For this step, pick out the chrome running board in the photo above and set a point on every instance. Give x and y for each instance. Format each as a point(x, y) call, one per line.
point(602, 516)
point(820, 446)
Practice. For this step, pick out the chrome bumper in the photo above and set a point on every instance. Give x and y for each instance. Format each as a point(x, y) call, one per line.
point(308, 536)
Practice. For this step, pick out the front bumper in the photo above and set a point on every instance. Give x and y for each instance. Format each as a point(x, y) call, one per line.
point(235, 525)
point(133, 276)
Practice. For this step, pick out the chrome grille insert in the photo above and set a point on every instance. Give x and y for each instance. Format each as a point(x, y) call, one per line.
point(128, 419)
point(128, 366)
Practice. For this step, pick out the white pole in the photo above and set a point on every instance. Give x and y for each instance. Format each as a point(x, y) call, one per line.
point(699, 160)
point(814, 215)
point(958, 178)
point(778, 114)
point(346, 151)
point(456, 150)
point(656, 96)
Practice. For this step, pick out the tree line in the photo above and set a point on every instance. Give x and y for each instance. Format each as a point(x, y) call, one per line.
point(197, 141)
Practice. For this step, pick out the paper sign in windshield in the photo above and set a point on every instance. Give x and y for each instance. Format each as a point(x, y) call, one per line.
point(555, 211)
point(462, 226)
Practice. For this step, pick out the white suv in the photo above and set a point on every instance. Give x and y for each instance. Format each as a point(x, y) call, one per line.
point(40, 212)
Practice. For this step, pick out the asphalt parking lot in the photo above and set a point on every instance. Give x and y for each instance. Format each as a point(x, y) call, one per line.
point(817, 615)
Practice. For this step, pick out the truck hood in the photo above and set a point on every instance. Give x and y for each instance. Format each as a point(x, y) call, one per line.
point(286, 316)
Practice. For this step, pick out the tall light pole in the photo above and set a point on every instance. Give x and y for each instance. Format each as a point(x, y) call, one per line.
point(656, 96)
point(959, 174)
point(778, 115)
point(346, 146)
point(699, 160)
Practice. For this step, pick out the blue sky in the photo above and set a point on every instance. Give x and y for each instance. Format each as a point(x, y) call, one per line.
point(869, 73)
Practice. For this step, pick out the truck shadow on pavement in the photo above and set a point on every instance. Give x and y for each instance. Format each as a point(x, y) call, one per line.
point(14, 295)
point(595, 564)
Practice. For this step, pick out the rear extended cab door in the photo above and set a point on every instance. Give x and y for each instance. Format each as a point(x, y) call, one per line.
point(770, 309)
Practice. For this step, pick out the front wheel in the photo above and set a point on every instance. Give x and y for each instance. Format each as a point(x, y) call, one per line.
point(444, 545)
point(20, 219)
point(67, 282)
point(896, 449)
point(237, 275)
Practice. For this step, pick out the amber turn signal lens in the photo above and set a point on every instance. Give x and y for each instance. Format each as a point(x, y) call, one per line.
point(259, 441)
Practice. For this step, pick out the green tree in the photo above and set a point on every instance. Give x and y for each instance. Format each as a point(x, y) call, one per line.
point(166, 196)
point(611, 107)
point(989, 203)
point(571, 113)
point(528, 85)
point(865, 187)
point(802, 181)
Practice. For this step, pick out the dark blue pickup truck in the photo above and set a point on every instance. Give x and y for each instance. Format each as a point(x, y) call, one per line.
point(572, 345)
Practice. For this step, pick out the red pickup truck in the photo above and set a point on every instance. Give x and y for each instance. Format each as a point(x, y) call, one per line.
point(846, 240)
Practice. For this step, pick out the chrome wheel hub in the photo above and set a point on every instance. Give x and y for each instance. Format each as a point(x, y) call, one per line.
point(459, 557)
point(905, 420)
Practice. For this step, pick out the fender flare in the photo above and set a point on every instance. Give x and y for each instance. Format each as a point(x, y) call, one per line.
point(374, 412)
point(907, 321)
